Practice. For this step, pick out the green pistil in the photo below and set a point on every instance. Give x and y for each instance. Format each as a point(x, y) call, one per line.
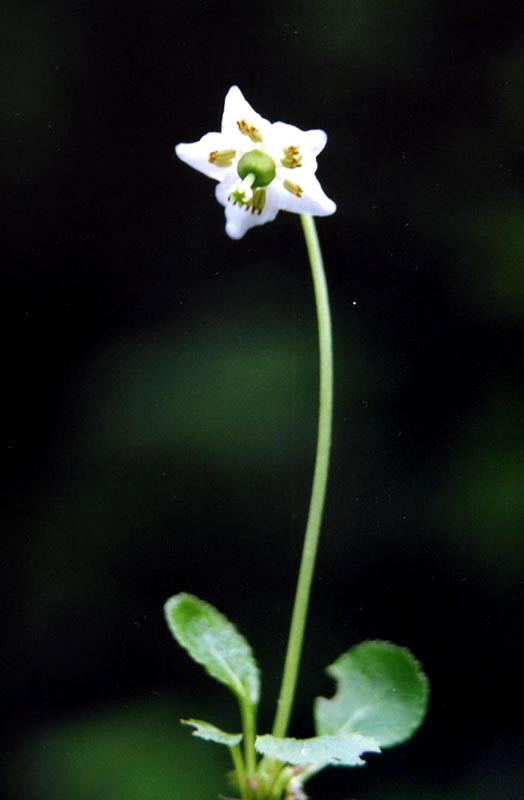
point(259, 164)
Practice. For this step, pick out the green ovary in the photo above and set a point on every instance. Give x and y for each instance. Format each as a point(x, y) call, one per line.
point(259, 164)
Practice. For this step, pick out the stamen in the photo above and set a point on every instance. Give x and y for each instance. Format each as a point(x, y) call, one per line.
point(292, 158)
point(222, 158)
point(249, 130)
point(258, 201)
point(294, 188)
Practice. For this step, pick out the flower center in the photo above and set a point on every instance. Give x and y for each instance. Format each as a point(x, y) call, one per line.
point(242, 193)
point(245, 197)
point(258, 164)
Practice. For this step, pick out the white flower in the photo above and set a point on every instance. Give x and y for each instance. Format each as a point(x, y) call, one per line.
point(261, 167)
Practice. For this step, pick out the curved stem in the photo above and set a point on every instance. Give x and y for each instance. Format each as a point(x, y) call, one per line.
point(318, 492)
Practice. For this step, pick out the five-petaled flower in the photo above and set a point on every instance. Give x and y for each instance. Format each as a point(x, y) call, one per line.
point(262, 167)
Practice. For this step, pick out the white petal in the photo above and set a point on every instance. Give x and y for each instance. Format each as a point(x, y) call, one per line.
point(310, 143)
point(316, 140)
point(313, 141)
point(196, 155)
point(237, 109)
point(313, 200)
point(239, 219)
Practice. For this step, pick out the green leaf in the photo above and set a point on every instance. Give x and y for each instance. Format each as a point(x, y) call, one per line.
point(382, 693)
point(213, 641)
point(344, 750)
point(204, 730)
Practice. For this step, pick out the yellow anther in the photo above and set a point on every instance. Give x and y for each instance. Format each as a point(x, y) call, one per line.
point(222, 158)
point(249, 130)
point(294, 188)
point(292, 158)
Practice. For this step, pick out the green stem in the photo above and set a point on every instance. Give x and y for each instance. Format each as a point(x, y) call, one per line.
point(280, 783)
point(318, 492)
point(248, 726)
point(238, 761)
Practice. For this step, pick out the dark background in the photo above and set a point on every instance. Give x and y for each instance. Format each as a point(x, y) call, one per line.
point(159, 383)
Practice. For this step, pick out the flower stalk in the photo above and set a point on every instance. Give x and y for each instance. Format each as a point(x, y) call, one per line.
point(318, 493)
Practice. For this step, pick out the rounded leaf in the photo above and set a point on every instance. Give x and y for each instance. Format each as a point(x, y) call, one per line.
point(382, 693)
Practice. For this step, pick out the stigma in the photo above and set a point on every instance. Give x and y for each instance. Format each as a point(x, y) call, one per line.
point(241, 194)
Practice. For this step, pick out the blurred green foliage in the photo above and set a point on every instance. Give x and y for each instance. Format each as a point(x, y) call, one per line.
point(215, 389)
point(482, 503)
point(498, 241)
point(136, 752)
